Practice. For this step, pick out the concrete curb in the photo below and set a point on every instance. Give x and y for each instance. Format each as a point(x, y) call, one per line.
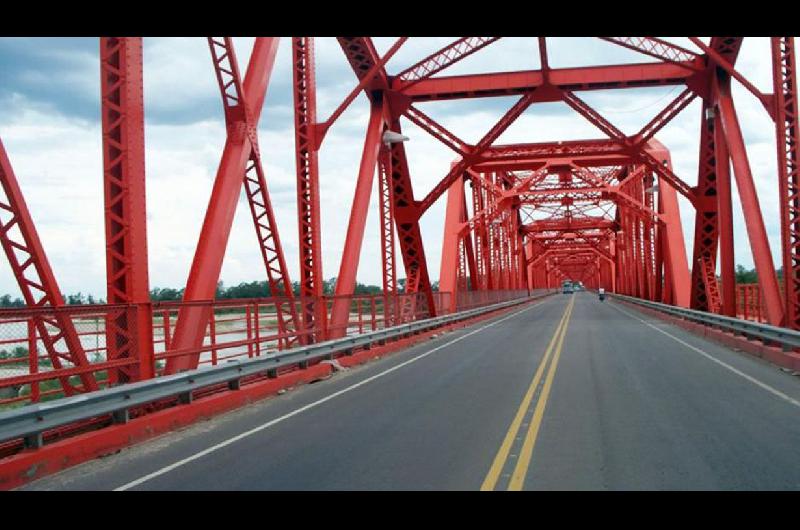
point(753, 347)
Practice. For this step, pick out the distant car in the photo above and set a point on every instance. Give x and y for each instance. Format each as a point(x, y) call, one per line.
point(567, 288)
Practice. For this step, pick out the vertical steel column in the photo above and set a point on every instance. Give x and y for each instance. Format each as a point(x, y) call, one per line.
point(756, 231)
point(407, 214)
point(125, 207)
point(480, 235)
point(346, 281)
point(386, 218)
point(451, 242)
point(648, 237)
point(308, 207)
point(787, 135)
point(674, 252)
point(706, 228)
point(725, 226)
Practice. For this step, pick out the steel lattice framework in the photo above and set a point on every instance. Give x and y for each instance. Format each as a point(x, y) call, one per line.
point(603, 210)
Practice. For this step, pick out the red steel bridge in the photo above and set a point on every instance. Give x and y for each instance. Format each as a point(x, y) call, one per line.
point(520, 218)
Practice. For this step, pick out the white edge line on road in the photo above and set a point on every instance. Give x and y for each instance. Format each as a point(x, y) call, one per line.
point(710, 357)
point(304, 408)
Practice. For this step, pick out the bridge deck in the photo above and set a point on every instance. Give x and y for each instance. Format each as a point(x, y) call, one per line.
point(624, 401)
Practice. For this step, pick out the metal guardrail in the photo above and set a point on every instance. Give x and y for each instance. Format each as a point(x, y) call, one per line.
point(31, 421)
point(789, 339)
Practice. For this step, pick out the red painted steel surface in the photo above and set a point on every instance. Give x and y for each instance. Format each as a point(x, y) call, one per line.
point(125, 207)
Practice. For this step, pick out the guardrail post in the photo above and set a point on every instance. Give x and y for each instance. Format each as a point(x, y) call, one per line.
point(250, 330)
point(33, 359)
point(121, 416)
point(212, 332)
point(166, 329)
point(257, 333)
point(34, 441)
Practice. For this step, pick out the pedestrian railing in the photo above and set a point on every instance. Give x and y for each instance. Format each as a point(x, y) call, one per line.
point(30, 422)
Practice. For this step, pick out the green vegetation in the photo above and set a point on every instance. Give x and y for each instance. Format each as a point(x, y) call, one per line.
point(254, 289)
point(17, 353)
point(750, 276)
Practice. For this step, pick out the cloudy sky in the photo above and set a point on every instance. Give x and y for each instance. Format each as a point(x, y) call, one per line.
point(50, 125)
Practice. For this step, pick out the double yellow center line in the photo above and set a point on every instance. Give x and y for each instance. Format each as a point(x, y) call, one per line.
point(523, 462)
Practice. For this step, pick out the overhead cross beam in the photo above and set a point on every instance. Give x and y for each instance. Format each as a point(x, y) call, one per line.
point(483, 144)
point(441, 59)
point(660, 49)
point(584, 78)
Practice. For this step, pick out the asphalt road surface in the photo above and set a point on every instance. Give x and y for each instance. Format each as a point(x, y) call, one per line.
point(567, 393)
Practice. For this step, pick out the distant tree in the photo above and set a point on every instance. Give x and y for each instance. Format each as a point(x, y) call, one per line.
point(76, 299)
point(367, 289)
point(746, 276)
point(166, 294)
point(6, 301)
point(329, 286)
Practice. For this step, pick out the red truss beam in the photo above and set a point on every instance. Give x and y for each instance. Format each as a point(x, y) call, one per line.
point(594, 117)
point(502, 124)
point(348, 268)
point(307, 164)
point(367, 79)
point(662, 118)
point(619, 137)
point(35, 278)
point(587, 210)
point(563, 225)
point(444, 58)
point(666, 173)
point(722, 62)
point(125, 207)
point(548, 150)
point(708, 200)
point(727, 296)
point(660, 49)
point(407, 213)
point(363, 57)
point(240, 163)
point(788, 142)
point(706, 228)
point(572, 79)
point(387, 222)
point(436, 130)
point(754, 222)
point(452, 240)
